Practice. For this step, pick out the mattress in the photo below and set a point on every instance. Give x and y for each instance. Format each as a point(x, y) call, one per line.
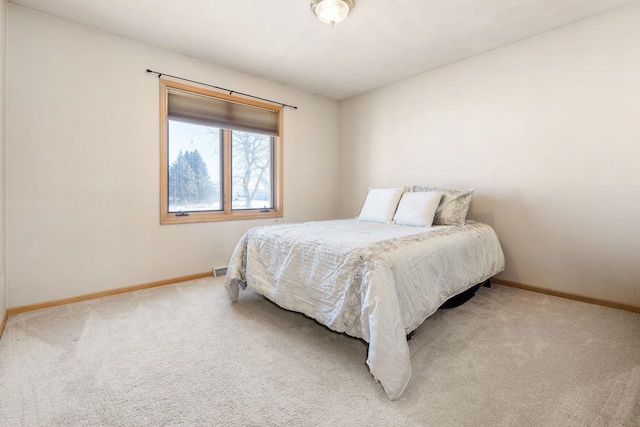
point(373, 281)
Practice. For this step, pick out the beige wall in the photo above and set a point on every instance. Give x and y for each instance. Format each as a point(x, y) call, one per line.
point(83, 162)
point(3, 240)
point(547, 131)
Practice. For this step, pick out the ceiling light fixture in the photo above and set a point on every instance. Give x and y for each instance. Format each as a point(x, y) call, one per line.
point(331, 11)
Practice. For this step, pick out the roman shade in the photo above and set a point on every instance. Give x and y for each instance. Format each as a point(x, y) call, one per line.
point(220, 113)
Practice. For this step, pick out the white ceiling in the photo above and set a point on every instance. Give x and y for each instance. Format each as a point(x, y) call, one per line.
point(381, 42)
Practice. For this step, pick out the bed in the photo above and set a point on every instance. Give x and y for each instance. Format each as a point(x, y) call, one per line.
point(373, 281)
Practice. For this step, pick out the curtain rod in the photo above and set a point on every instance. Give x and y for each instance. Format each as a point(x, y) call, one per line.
point(231, 92)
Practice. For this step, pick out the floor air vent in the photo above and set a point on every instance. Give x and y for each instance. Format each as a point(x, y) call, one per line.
point(219, 271)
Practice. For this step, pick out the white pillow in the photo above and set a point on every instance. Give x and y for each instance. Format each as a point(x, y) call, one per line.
point(380, 205)
point(417, 209)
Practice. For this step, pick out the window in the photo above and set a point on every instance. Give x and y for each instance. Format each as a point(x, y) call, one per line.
point(220, 156)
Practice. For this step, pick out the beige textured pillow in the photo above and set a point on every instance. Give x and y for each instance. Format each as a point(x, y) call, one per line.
point(453, 206)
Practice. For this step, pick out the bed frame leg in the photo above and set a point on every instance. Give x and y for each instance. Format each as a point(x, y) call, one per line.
point(487, 283)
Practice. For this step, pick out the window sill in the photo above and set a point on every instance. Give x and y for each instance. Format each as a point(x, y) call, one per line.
point(167, 218)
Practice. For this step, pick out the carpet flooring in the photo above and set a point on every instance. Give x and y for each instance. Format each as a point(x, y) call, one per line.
point(185, 355)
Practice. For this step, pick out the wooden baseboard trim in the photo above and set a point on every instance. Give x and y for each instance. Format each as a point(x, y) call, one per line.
point(555, 293)
point(23, 308)
point(4, 322)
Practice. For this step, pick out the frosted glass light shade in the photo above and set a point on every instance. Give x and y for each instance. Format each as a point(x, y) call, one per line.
point(331, 11)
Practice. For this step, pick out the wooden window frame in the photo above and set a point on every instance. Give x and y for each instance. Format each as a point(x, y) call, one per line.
point(227, 214)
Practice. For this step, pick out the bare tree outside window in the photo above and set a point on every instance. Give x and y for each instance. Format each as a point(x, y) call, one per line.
point(251, 170)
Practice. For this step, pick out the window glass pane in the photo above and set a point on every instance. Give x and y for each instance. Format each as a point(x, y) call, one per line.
point(195, 182)
point(251, 171)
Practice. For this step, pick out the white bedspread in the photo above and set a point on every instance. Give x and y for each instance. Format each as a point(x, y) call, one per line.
point(373, 281)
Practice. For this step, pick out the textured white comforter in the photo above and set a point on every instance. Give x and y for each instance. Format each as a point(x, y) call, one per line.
point(373, 281)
